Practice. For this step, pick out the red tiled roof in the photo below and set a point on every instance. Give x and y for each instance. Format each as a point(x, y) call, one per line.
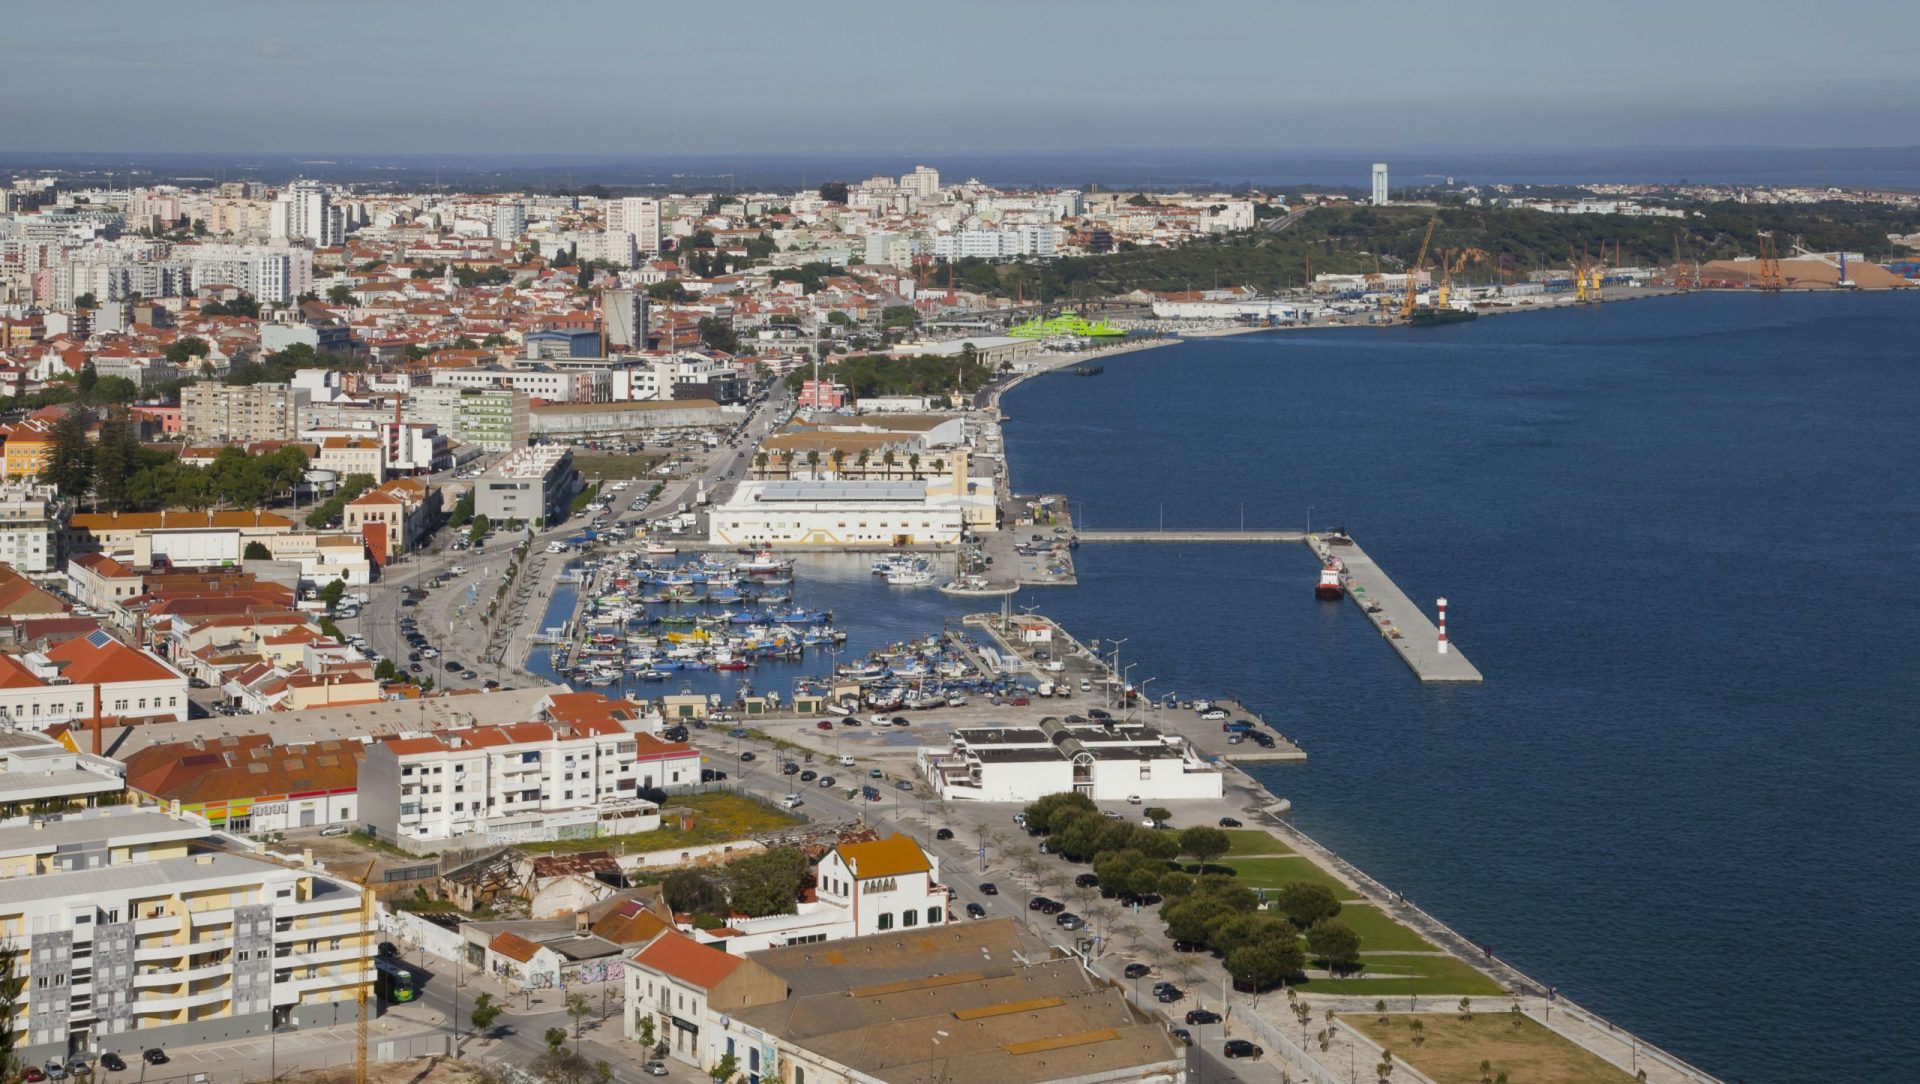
point(684, 959)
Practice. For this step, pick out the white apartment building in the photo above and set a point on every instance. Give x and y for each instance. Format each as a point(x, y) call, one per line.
point(923, 182)
point(520, 782)
point(509, 221)
point(70, 681)
point(29, 527)
point(861, 888)
point(134, 935)
point(638, 218)
point(305, 212)
point(275, 273)
point(1106, 763)
point(542, 383)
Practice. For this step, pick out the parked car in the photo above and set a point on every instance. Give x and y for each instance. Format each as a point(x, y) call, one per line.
point(974, 910)
point(334, 830)
point(790, 768)
point(1188, 946)
point(826, 781)
point(791, 801)
point(1169, 995)
point(1214, 714)
point(1241, 1048)
point(112, 1062)
point(746, 754)
point(988, 888)
point(1038, 903)
point(1137, 971)
point(1182, 1034)
point(55, 1070)
point(1067, 920)
point(903, 784)
point(809, 776)
point(155, 1056)
point(1086, 880)
point(32, 1074)
point(900, 720)
point(944, 833)
point(1229, 822)
point(656, 1067)
point(1196, 1017)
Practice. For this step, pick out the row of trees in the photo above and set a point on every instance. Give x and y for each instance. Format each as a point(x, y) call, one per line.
point(869, 375)
point(121, 474)
point(1261, 943)
point(767, 883)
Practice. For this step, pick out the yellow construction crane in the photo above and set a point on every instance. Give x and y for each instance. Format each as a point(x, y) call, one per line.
point(1413, 272)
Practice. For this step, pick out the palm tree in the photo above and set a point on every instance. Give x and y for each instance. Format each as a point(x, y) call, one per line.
point(865, 455)
point(888, 460)
point(839, 457)
point(760, 460)
point(939, 465)
point(786, 460)
point(913, 464)
point(813, 462)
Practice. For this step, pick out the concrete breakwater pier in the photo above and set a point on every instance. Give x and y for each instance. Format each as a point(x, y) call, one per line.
point(1414, 636)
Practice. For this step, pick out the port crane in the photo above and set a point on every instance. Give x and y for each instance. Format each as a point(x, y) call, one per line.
point(1770, 276)
point(1413, 272)
point(1452, 267)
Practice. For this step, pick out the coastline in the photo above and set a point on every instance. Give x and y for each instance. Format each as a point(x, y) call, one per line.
point(1534, 998)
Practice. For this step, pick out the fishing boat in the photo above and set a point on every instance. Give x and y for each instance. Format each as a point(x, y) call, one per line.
point(909, 577)
point(661, 549)
point(1330, 589)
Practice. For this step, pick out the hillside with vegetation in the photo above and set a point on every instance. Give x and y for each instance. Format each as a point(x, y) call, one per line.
point(1510, 242)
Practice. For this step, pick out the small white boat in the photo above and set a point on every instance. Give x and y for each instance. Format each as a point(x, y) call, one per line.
point(910, 577)
point(661, 549)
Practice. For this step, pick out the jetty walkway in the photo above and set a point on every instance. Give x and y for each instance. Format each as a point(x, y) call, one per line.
point(1414, 636)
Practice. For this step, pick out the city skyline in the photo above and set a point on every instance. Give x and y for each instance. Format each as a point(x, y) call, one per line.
point(600, 78)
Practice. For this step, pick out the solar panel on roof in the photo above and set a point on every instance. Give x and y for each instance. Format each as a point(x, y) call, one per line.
point(98, 638)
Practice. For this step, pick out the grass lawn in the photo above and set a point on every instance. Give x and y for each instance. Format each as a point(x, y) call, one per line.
point(1379, 932)
point(717, 818)
point(1274, 872)
point(616, 467)
point(1454, 1048)
point(1247, 841)
point(1387, 976)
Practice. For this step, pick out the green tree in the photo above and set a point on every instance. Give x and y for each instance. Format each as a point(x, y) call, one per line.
point(834, 191)
point(1260, 963)
point(481, 525)
point(387, 671)
point(462, 511)
point(1158, 814)
point(716, 333)
point(86, 301)
point(767, 883)
point(556, 1040)
point(1174, 884)
point(646, 1029)
point(341, 294)
point(89, 379)
point(813, 462)
point(899, 316)
point(1305, 903)
point(332, 593)
point(70, 460)
point(484, 1015)
point(116, 457)
point(1335, 944)
point(12, 983)
point(1204, 844)
point(838, 318)
point(257, 551)
point(184, 350)
point(579, 1009)
point(691, 890)
point(725, 1069)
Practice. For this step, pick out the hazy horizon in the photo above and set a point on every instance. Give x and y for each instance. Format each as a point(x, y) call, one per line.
point(598, 77)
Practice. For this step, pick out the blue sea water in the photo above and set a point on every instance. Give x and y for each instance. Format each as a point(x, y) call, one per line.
point(1678, 538)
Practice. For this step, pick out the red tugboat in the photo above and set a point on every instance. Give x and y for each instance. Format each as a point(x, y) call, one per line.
point(1330, 589)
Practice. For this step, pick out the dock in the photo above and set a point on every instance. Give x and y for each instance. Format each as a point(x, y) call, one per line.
point(1414, 636)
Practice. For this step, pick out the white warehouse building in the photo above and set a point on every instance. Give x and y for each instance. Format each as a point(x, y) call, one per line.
point(819, 513)
point(1106, 763)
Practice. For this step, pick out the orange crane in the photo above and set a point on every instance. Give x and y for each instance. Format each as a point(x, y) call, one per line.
point(1770, 277)
point(1450, 268)
point(1413, 272)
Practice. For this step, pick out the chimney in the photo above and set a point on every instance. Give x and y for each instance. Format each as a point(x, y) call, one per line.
point(580, 924)
point(96, 719)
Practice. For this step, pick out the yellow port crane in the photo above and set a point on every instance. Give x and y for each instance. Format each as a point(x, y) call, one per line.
point(1413, 272)
point(1452, 267)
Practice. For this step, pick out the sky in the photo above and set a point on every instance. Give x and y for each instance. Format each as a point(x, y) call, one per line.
point(638, 77)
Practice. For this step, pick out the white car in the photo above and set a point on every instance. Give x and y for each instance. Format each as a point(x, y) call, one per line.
point(1214, 714)
point(334, 830)
point(791, 801)
point(881, 720)
point(846, 762)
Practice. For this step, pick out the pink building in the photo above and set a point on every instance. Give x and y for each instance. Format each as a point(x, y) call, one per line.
point(166, 417)
point(821, 395)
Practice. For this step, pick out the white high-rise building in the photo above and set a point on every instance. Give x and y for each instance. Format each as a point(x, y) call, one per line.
point(1379, 184)
point(923, 182)
point(509, 221)
point(639, 217)
point(305, 212)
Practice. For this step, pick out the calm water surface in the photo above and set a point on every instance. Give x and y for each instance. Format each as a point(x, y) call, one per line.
point(1678, 538)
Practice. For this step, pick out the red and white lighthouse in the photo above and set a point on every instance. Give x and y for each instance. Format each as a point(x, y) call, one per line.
point(1442, 604)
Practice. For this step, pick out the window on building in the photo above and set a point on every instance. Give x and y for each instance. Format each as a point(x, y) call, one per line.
point(886, 920)
point(933, 916)
point(909, 918)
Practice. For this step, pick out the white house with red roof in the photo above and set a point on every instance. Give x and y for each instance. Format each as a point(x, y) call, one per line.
point(89, 674)
point(521, 782)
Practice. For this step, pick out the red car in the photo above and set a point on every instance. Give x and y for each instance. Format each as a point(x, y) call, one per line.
point(824, 725)
point(1019, 701)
